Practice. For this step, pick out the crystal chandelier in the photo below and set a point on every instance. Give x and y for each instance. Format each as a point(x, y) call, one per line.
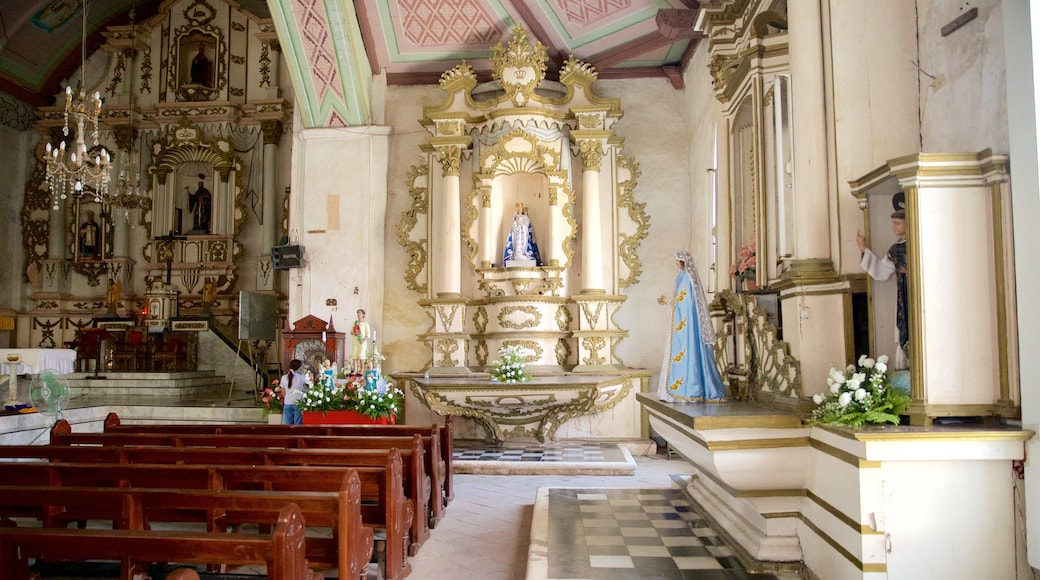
point(70, 173)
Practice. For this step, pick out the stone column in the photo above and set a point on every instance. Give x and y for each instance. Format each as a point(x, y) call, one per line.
point(272, 134)
point(811, 187)
point(592, 233)
point(274, 58)
point(447, 227)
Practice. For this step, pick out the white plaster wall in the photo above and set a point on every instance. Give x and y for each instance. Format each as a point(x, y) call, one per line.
point(1023, 64)
point(965, 107)
point(874, 99)
point(338, 214)
point(658, 136)
point(403, 318)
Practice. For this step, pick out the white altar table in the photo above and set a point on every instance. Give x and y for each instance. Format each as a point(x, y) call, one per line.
point(33, 360)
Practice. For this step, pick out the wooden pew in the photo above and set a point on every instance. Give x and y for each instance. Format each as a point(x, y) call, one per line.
point(383, 501)
point(444, 434)
point(136, 508)
point(282, 551)
point(428, 449)
point(256, 450)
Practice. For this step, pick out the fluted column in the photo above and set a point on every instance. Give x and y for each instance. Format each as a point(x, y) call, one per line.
point(592, 234)
point(811, 207)
point(447, 226)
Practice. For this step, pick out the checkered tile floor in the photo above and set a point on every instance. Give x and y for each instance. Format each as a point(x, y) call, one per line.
point(533, 452)
point(634, 534)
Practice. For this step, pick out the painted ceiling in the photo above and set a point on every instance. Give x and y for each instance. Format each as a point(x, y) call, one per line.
point(411, 41)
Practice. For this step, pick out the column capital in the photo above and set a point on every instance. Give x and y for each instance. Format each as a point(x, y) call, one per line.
point(450, 157)
point(591, 151)
point(273, 130)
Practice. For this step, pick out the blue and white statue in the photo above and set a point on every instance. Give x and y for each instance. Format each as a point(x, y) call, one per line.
point(521, 248)
point(689, 372)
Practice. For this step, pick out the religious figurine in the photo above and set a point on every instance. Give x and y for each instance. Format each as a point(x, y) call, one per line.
point(689, 372)
point(200, 205)
point(209, 294)
point(521, 248)
point(113, 295)
point(883, 269)
point(360, 331)
point(89, 237)
point(201, 69)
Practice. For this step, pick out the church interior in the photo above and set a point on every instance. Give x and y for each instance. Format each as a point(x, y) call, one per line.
point(624, 256)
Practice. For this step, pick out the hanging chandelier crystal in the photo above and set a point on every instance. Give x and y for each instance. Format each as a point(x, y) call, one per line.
point(73, 172)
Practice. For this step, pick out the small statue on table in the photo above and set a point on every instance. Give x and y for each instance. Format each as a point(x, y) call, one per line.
point(359, 352)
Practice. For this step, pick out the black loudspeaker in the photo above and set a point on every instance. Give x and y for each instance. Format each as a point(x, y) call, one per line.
point(286, 257)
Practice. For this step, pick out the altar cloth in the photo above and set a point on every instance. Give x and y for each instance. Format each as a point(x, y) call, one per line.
point(34, 360)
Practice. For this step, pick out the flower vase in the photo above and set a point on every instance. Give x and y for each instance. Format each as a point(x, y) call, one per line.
point(751, 285)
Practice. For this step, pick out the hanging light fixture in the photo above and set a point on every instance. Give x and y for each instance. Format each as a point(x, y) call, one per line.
point(128, 194)
point(72, 172)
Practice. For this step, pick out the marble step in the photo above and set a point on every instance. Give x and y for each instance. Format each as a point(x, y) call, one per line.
point(180, 384)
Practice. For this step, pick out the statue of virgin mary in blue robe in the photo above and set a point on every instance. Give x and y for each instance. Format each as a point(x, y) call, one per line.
point(520, 245)
point(689, 372)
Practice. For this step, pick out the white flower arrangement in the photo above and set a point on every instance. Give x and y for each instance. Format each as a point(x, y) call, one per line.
point(859, 394)
point(511, 366)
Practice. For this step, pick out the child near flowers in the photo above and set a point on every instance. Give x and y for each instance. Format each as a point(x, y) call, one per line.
point(294, 383)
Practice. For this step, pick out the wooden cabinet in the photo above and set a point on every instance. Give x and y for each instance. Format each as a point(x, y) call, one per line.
point(311, 340)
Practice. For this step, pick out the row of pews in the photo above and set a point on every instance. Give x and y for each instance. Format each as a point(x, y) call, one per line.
point(379, 488)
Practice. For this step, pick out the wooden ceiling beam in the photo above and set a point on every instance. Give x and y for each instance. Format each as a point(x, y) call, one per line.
point(672, 26)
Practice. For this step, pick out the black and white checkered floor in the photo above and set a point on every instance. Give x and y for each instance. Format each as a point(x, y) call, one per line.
point(632, 534)
point(534, 452)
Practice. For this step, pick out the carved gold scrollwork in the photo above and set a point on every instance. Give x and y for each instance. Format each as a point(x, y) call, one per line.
point(506, 311)
point(563, 318)
point(764, 361)
point(563, 351)
point(594, 344)
point(481, 352)
point(414, 249)
point(480, 320)
point(451, 159)
point(531, 347)
point(520, 66)
point(592, 315)
point(446, 315)
point(448, 348)
point(490, 288)
point(628, 244)
point(591, 151)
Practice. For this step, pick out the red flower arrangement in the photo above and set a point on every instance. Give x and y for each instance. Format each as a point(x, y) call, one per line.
point(273, 398)
point(747, 262)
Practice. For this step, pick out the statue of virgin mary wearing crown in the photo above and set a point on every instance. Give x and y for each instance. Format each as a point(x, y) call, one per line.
point(521, 248)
